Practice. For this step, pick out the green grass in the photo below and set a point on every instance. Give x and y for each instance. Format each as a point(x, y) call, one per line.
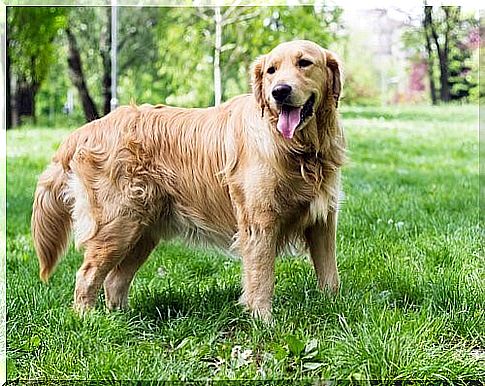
point(409, 252)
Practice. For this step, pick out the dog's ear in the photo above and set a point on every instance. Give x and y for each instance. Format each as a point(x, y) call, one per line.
point(257, 80)
point(333, 63)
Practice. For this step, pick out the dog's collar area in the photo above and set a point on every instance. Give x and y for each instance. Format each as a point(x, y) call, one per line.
point(309, 155)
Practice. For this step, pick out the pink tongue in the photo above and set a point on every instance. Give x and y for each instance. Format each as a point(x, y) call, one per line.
point(287, 122)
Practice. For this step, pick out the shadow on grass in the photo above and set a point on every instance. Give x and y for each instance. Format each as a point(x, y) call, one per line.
point(174, 303)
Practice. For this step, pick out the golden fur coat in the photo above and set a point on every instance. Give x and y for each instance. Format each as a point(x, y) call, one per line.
point(222, 174)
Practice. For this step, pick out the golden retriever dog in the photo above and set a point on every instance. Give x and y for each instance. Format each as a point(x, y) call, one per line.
point(256, 174)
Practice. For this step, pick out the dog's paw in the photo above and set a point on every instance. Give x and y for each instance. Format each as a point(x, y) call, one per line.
point(263, 314)
point(116, 303)
point(330, 283)
point(259, 312)
point(243, 300)
point(82, 309)
point(116, 306)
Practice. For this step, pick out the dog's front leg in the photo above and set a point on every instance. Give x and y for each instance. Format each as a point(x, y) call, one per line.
point(321, 241)
point(258, 244)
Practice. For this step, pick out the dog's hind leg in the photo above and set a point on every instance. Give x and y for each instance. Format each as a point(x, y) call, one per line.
point(321, 241)
point(117, 283)
point(103, 252)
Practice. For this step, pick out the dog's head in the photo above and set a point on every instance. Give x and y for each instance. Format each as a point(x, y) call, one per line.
point(294, 80)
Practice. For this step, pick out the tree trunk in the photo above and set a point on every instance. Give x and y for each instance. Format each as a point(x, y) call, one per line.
point(442, 57)
point(25, 99)
point(105, 51)
point(8, 80)
point(445, 94)
point(77, 78)
point(444, 60)
point(23, 103)
point(429, 49)
point(217, 56)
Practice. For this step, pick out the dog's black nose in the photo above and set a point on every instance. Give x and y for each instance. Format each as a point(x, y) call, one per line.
point(281, 92)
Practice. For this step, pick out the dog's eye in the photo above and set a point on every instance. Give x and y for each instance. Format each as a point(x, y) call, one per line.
point(271, 70)
point(304, 63)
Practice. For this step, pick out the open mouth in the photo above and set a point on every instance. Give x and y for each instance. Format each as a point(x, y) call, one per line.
point(291, 118)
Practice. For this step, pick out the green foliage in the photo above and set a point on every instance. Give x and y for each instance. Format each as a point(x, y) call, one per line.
point(182, 72)
point(462, 62)
point(272, 25)
point(165, 54)
point(409, 254)
point(32, 35)
point(52, 95)
point(361, 78)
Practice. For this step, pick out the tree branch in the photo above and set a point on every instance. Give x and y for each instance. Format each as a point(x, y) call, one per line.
point(78, 79)
point(432, 29)
point(202, 15)
point(241, 18)
point(231, 9)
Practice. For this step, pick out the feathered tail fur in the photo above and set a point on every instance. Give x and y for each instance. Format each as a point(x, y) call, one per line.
point(51, 220)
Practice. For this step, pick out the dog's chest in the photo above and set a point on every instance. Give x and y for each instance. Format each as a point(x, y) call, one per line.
point(311, 200)
point(318, 208)
point(306, 205)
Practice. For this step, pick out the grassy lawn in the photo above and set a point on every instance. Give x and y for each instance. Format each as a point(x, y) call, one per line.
point(409, 251)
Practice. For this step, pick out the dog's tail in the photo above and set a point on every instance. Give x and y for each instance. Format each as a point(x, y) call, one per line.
point(51, 219)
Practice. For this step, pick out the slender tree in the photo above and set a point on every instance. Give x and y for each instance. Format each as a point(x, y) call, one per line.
point(232, 14)
point(8, 78)
point(135, 48)
point(440, 31)
point(443, 51)
point(105, 47)
point(427, 23)
point(77, 77)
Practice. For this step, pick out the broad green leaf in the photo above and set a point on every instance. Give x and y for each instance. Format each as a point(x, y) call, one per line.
point(295, 345)
point(34, 341)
